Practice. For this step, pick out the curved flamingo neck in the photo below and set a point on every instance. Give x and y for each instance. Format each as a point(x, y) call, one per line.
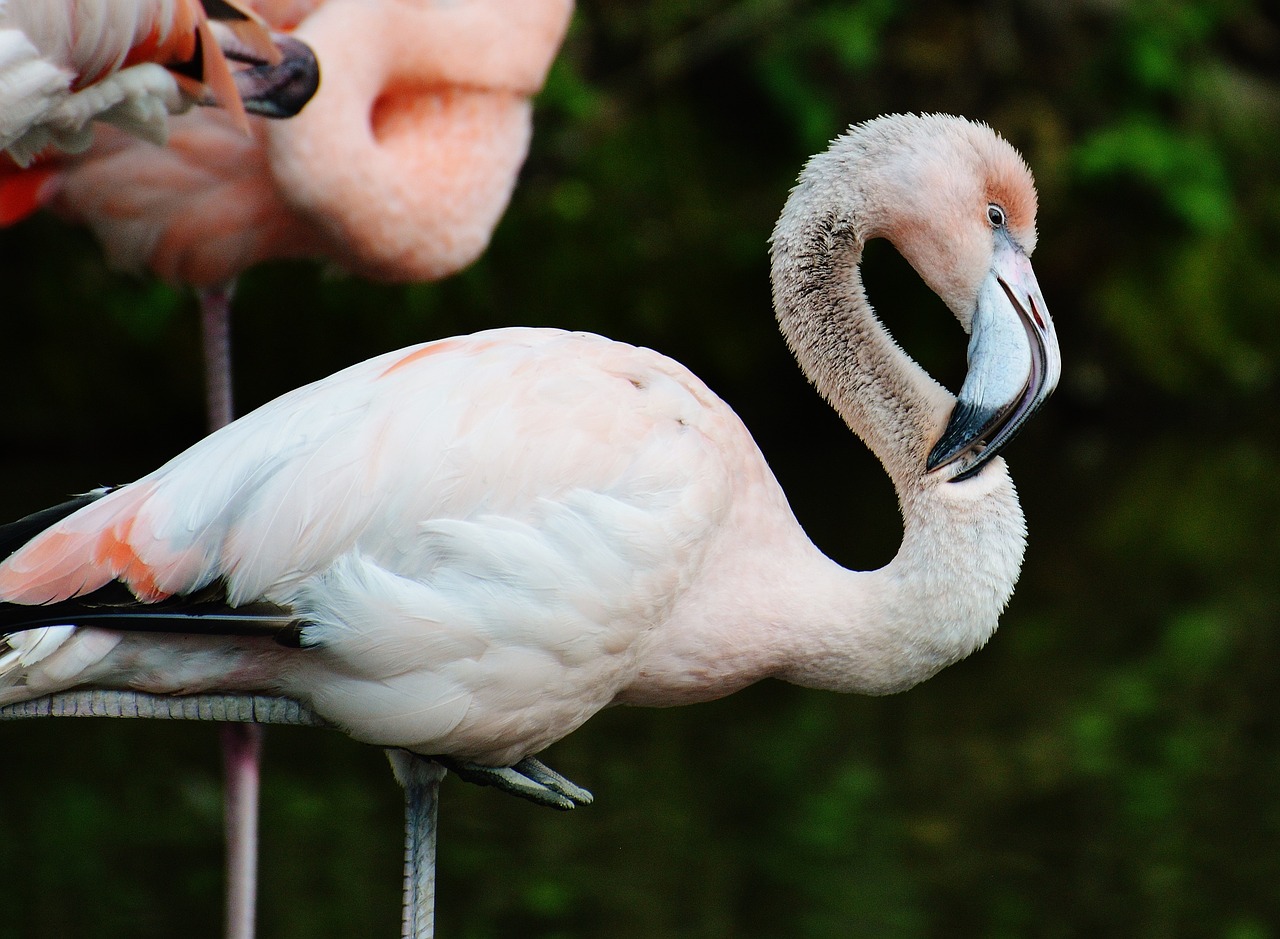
point(889, 401)
point(941, 595)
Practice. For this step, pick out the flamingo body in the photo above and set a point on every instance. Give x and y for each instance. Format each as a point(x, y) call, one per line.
point(486, 539)
point(432, 618)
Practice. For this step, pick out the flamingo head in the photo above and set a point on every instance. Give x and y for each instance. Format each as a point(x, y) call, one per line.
point(961, 208)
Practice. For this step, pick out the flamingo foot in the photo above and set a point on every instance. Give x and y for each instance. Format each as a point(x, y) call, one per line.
point(529, 779)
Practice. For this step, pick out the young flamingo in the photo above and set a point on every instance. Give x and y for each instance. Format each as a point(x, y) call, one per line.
point(465, 549)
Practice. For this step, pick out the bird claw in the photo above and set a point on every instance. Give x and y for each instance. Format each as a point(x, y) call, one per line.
point(529, 779)
point(543, 774)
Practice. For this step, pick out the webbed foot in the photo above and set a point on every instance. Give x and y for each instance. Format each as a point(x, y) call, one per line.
point(529, 779)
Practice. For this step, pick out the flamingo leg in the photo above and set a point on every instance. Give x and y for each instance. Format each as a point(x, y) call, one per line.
point(215, 331)
point(241, 743)
point(420, 778)
point(241, 761)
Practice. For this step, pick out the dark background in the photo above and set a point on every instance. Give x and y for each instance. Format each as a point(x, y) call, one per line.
point(1109, 765)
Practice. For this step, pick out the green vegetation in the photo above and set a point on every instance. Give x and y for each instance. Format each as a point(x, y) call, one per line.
point(1109, 765)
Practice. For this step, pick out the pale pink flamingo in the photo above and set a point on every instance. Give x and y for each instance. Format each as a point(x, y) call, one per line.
point(465, 549)
point(399, 169)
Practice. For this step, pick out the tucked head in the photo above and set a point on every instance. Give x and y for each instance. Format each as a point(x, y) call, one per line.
point(959, 204)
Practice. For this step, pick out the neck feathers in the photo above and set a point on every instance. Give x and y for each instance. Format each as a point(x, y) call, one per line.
point(892, 404)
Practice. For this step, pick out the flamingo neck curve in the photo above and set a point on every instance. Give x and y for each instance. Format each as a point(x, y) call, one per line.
point(940, 597)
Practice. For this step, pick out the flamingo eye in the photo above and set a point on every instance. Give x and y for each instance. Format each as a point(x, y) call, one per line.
point(995, 215)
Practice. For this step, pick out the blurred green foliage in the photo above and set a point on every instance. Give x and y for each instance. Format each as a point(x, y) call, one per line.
point(1109, 765)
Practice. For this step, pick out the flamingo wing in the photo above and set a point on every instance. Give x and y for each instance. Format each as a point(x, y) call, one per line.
point(471, 519)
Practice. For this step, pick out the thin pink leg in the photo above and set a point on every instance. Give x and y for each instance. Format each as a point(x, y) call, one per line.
point(241, 743)
point(215, 329)
point(241, 758)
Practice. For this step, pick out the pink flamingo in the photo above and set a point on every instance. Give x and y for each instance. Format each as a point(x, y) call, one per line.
point(465, 549)
point(398, 169)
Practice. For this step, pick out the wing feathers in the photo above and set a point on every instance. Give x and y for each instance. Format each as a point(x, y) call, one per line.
point(64, 65)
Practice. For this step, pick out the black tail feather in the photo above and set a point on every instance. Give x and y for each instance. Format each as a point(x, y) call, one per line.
point(261, 619)
point(203, 614)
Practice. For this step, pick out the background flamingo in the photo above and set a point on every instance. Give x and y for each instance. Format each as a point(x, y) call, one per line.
point(485, 540)
point(398, 170)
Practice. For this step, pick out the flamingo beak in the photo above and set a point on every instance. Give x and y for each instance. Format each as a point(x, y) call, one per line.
point(280, 76)
point(280, 89)
point(1014, 365)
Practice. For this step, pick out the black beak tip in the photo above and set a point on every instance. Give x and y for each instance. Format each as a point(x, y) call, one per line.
point(281, 91)
point(938, 456)
point(964, 431)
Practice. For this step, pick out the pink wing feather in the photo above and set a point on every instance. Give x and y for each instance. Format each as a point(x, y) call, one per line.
point(104, 541)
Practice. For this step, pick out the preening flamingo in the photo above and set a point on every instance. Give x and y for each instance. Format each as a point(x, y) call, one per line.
point(466, 548)
point(398, 169)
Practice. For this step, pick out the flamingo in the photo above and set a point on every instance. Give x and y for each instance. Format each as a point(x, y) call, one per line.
point(398, 169)
point(464, 549)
